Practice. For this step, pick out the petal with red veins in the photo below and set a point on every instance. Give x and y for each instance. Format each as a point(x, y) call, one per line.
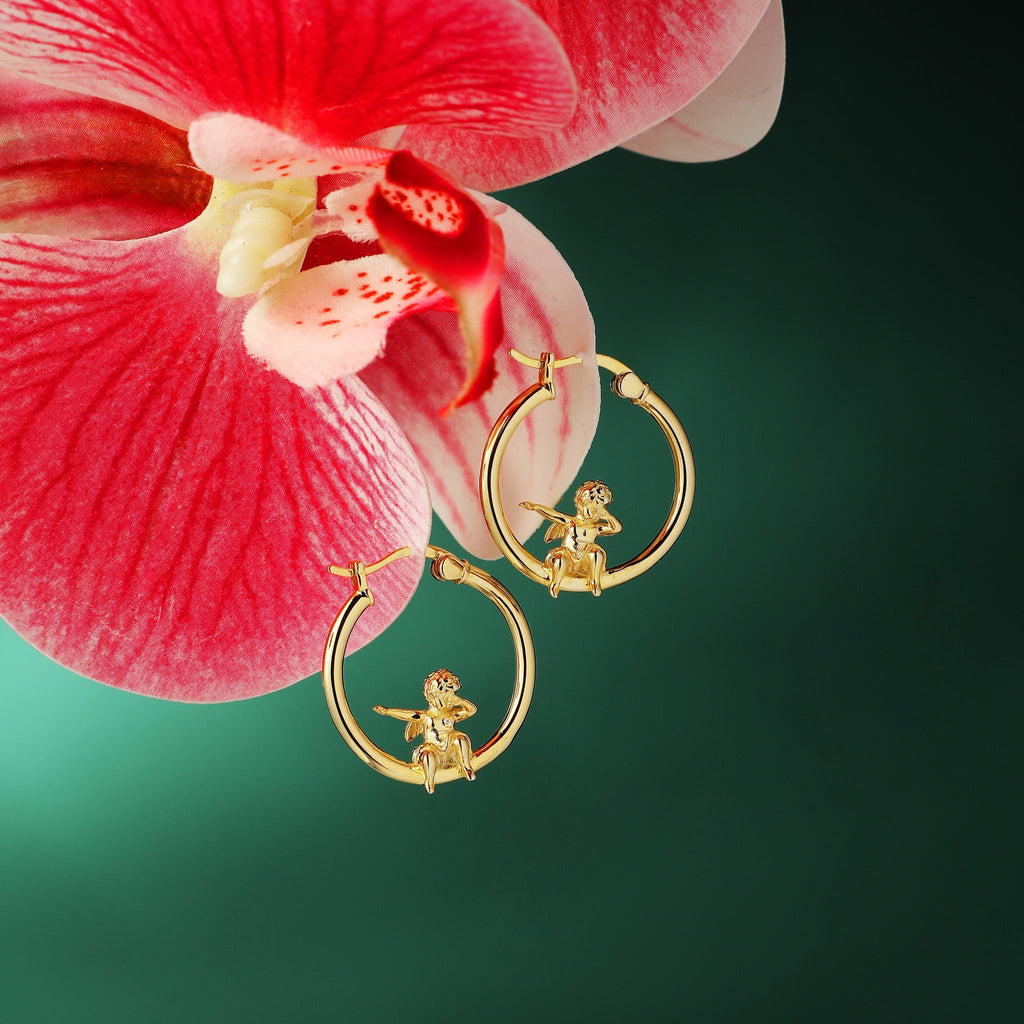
point(324, 70)
point(168, 508)
point(636, 63)
point(77, 166)
point(735, 111)
point(545, 311)
point(438, 229)
point(331, 321)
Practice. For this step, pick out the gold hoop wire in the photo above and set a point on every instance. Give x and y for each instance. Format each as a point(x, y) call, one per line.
point(625, 384)
point(447, 568)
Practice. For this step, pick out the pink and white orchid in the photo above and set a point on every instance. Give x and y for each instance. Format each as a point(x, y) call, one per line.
point(250, 303)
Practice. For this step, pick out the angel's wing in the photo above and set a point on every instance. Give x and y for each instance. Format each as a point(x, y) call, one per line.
point(556, 531)
point(413, 728)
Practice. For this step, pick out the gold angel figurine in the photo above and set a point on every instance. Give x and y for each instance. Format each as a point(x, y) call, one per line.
point(443, 745)
point(579, 555)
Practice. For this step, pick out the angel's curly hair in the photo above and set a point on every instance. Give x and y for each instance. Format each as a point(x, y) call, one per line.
point(591, 491)
point(443, 679)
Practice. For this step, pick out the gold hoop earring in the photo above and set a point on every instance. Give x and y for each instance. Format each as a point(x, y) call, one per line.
point(579, 563)
point(445, 752)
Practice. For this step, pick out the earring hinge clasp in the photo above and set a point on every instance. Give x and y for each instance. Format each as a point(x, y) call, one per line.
point(358, 571)
point(546, 364)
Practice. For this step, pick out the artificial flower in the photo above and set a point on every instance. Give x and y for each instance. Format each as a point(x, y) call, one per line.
point(251, 303)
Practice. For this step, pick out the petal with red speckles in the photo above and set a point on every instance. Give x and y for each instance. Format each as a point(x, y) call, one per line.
point(347, 207)
point(331, 321)
point(326, 71)
point(636, 63)
point(735, 111)
point(441, 231)
point(78, 166)
point(545, 311)
point(168, 507)
point(243, 149)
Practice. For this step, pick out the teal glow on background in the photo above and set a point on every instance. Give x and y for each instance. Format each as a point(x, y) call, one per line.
point(776, 780)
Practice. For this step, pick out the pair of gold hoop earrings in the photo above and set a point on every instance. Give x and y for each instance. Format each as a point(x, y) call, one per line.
point(576, 563)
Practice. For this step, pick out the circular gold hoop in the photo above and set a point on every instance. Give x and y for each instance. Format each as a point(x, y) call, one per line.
point(626, 384)
point(447, 568)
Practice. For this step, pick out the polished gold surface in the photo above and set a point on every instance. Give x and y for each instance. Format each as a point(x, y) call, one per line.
point(579, 563)
point(357, 568)
point(445, 753)
point(579, 556)
point(443, 745)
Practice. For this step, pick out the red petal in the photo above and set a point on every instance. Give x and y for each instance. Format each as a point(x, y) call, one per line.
point(439, 230)
point(545, 310)
point(324, 70)
point(168, 508)
point(73, 165)
point(636, 62)
point(735, 111)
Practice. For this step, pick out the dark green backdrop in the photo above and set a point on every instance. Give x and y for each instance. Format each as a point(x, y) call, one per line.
point(776, 780)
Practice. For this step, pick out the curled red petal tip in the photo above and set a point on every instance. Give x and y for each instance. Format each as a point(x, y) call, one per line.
point(439, 230)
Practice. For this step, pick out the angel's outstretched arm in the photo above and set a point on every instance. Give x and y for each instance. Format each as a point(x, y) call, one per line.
point(548, 513)
point(402, 714)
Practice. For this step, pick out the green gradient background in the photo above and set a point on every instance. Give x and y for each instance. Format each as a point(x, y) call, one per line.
point(776, 780)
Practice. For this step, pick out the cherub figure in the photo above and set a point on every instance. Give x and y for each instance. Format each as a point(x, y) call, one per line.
point(579, 555)
point(443, 745)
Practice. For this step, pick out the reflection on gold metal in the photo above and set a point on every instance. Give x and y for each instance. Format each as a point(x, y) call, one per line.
point(445, 753)
point(579, 563)
point(579, 556)
point(443, 745)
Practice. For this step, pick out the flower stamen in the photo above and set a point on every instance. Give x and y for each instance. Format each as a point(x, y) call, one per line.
point(259, 232)
point(268, 230)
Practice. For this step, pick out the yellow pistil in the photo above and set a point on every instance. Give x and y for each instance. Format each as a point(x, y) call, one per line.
point(261, 231)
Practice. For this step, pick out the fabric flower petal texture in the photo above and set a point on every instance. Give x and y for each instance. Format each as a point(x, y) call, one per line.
point(169, 507)
point(636, 63)
point(251, 309)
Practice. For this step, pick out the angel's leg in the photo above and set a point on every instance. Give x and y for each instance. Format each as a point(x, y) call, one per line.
point(559, 566)
point(428, 762)
point(596, 561)
point(465, 755)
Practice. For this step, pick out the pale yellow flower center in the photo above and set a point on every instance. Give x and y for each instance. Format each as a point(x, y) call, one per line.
point(261, 231)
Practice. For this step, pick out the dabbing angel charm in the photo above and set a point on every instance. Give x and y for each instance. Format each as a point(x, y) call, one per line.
point(443, 745)
point(445, 752)
point(579, 562)
point(579, 554)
